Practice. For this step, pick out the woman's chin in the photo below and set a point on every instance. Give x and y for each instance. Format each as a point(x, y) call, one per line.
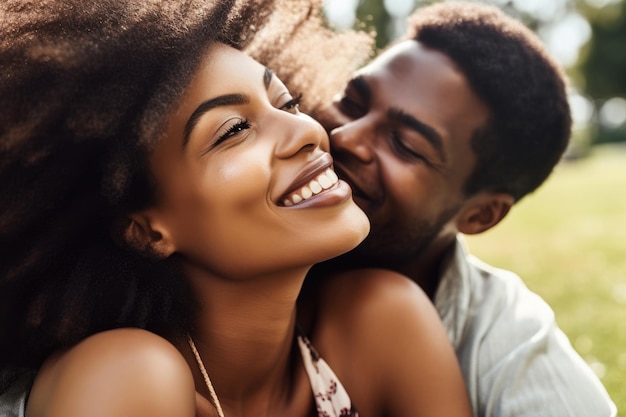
point(354, 230)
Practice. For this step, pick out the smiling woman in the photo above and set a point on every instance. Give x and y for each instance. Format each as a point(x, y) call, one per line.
point(221, 191)
point(162, 199)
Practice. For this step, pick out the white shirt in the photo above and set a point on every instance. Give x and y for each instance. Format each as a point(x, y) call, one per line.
point(515, 360)
point(13, 401)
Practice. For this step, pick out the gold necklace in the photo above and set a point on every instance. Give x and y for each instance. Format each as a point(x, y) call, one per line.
point(214, 400)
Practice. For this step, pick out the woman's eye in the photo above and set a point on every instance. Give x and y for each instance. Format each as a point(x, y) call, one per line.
point(292, 105)
point(237, 126)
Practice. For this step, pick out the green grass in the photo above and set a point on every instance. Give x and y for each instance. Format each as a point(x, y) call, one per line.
point(568, 243)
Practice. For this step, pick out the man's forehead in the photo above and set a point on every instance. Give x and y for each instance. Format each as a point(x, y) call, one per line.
point(410, 67)
point(398, 55)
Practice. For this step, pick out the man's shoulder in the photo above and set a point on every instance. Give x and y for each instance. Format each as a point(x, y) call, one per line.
point(489, 281)
point(503, 332)
point(488, 310)
point(470, 284)
point(500, 299)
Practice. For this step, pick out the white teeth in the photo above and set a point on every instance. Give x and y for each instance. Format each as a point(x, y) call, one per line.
point(323, 181)
point(306, 192)
point(315, 187)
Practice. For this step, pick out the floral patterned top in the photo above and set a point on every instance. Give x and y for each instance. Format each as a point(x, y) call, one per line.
point(331, 399)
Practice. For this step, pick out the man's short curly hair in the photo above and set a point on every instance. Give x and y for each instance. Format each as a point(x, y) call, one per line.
point(509, 69)
point(85, 90)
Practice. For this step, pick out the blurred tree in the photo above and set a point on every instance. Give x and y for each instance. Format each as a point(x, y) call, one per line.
point(372, 15)
point(603, 65)
point(604, 60)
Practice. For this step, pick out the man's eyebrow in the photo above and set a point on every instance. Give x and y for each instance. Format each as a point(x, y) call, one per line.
point(361, 87)
point(225, 100)
point(431, 135)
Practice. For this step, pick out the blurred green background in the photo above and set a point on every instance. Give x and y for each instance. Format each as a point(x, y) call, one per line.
point(568, 239)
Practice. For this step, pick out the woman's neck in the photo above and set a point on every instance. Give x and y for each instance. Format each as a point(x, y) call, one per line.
point(244, 333)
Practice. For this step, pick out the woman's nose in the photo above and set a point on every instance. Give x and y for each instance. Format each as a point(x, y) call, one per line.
point(300, 133)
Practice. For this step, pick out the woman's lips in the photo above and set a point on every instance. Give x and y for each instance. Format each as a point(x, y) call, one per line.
point(323, 181)
point(308, 172)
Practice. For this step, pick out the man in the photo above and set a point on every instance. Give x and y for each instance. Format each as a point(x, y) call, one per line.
point(440, 136)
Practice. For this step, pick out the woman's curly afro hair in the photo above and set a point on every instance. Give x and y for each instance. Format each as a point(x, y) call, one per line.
point(85, 89)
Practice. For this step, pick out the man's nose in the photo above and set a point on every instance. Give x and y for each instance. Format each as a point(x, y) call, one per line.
point(354, 138)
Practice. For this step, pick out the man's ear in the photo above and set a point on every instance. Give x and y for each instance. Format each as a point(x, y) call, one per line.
point(483, 211)
point(141, 233)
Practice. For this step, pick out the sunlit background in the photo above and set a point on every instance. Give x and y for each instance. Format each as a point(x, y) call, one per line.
point(567, 240)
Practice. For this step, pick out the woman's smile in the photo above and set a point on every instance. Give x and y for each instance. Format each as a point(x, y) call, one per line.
point(316, 185)
point(323, 181)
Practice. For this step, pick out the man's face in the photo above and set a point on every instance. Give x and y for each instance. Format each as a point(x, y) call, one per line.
point(400, 136)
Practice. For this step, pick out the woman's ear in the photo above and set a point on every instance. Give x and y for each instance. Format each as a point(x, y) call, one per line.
point(139, 232)
point(483, 211)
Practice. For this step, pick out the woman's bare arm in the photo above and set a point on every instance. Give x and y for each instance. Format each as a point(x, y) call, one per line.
point(122, 372)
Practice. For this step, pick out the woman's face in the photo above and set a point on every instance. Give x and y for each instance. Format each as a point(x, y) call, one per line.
point(245, 180)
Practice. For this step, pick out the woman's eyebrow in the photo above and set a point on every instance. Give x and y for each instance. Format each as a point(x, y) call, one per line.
point(225, 100)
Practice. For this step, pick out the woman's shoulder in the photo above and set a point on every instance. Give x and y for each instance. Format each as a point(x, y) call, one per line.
point(117, 372)
point(357, 293)
point(384, 339)
point(362, 318)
